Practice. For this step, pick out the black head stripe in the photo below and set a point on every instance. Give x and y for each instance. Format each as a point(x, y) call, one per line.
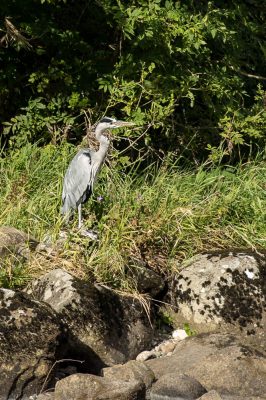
point(106, 119)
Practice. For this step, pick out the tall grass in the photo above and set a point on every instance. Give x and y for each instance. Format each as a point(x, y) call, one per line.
point(161, 216)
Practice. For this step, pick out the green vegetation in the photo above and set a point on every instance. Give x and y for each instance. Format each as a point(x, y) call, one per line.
point(189, 331)
point(162, 215)
point(190, 73)
point(13, 274)
point(190, 177)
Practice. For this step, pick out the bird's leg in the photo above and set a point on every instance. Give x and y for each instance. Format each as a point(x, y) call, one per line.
point(80, 217)
point(92, 235)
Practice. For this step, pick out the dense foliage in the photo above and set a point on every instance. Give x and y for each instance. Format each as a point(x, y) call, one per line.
point(190, 73)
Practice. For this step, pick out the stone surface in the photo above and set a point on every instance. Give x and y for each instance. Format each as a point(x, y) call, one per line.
point(115, 327)
point(30, 334)
point(219, 362)
point(226, 397)
point(147, 355)
point(175, 386)
point(91, 387)
point(132, 370)
point(222, 290)
point(14, 241)
point(45, 396)
point(212, 395)
point(179, 334)
point(166, 347)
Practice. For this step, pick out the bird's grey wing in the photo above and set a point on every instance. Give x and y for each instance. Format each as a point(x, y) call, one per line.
point(78, 180)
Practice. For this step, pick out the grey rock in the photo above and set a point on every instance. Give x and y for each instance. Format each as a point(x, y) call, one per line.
point(147, 355)
point(132, 370)
point(167, 346)
point(15, 242)
point(91, 387)
point(115, 328)
point(30, 334)
point(174, 386)
point(219, 362)
point(222, 290)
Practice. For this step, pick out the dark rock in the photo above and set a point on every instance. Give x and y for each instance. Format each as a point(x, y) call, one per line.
point(30, 334)
point(175, 386)
point(91, 387)
point(222, 291)
point(219, 362)
point(115, 327)
point(131, 371)
point(14, 241)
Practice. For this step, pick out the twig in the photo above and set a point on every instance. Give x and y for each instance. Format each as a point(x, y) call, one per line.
point(52, 367)
point(263, 78)
point(135, 141)
point(13, 35)
point(259, 77)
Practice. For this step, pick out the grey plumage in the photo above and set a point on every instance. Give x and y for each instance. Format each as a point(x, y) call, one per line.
point(83, 170)
point(78, 181)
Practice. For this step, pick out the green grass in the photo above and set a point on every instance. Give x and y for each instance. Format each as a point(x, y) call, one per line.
point(163, 216)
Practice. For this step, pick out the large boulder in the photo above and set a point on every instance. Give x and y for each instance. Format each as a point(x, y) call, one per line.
point(222, 291)
point(14, 241)
point(219, 362)
point(30, 334)
point(91, 387)
point(115, 327)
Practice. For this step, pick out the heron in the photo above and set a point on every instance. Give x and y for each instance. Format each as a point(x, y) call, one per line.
point(83, 170)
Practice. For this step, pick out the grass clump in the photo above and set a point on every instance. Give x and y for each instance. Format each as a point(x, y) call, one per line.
point(161, 216)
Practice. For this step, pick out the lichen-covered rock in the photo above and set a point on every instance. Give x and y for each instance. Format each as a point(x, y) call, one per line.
point(219, 362)
point(115, 327)
point(132, 370)
point(222, 290)
point(29, 337)
point(14, 241)
point(91, 387)
point(176, 386)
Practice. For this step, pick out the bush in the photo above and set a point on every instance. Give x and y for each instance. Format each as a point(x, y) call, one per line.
point(188, 72)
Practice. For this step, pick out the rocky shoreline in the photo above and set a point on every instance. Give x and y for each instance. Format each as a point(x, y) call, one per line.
point(62, 338)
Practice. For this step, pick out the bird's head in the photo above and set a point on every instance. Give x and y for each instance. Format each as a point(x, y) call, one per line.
point(111, 123)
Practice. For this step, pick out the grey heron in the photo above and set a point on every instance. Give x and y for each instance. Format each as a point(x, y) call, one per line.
point(83, 170)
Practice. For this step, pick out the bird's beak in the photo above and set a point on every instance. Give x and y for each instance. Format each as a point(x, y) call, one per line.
point(119, 124)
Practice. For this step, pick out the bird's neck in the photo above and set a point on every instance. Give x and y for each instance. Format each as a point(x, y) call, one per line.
point(104, 143)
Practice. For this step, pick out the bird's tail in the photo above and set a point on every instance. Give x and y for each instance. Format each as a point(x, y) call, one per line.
point(66, 208)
